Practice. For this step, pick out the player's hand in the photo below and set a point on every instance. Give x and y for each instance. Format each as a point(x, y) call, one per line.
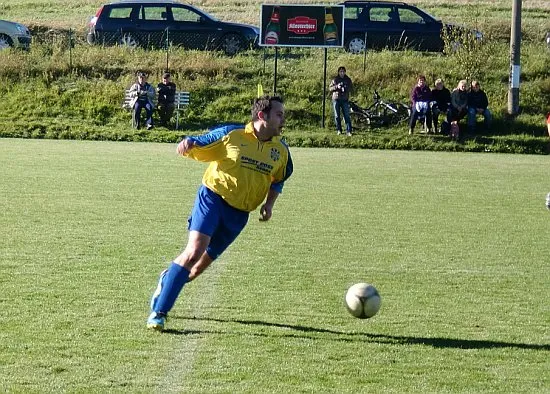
point(265, 213)
point(184, 146)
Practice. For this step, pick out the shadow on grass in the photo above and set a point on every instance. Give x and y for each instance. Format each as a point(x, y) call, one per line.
point(347, 336)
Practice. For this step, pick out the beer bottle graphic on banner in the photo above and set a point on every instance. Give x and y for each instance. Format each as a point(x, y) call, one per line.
point(330, 30)
point(273, 28)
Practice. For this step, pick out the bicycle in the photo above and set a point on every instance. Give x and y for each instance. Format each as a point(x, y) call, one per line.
point(379, 113)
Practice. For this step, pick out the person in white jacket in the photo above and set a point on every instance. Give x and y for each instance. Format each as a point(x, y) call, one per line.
point(142, 95)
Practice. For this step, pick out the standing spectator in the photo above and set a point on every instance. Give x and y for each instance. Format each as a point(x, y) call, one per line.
point(142, 95)
point(478, 105)
point(441, 102)
point(421, 95)
point(166, 91)
point(248, 167)
point(341, 87)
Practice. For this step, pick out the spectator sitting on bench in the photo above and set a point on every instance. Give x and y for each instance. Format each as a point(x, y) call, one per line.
point(441, 97)
point(478, 105)
point(166, 91)
point(142, 95)
point(421, 95)
point(459, 104)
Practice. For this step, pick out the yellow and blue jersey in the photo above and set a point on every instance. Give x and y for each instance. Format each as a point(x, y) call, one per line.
point(242, 168)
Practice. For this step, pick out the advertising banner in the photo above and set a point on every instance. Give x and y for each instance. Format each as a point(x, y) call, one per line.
point(302, 26)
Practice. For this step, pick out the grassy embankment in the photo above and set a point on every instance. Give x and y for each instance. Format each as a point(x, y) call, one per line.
point(52, 92)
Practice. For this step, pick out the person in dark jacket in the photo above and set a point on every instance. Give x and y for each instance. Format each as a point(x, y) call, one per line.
point(166, 91)
point(341, 87)
point(478, 105)
point(441, 102)
point(459, 101)
point(421, 95)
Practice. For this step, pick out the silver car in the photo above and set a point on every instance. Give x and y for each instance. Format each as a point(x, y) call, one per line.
point(14, 35)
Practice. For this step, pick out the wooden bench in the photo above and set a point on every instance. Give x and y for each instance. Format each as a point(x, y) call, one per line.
point(181, 101)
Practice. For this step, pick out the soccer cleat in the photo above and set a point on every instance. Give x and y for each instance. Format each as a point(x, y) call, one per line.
point(156, 294)
point(156, 321)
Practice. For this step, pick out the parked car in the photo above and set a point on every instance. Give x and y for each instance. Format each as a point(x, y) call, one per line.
point(14, 35)
point(153, 24)
point(393, 25)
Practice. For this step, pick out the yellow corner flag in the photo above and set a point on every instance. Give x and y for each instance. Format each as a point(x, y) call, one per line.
point(260, 90)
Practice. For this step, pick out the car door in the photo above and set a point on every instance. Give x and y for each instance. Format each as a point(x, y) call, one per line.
point(420, 31)
point(385, 30)
point(115, 23)
point(355, 25)
point(192, 29)
point(151, 25)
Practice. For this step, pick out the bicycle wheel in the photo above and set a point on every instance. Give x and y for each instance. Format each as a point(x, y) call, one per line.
point(399, 113)
point(359, 120)
point(381, 115)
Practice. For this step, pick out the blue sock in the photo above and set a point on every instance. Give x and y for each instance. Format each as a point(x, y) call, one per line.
point(176, 277)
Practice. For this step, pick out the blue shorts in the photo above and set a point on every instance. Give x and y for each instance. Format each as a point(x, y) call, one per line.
point(214, 217)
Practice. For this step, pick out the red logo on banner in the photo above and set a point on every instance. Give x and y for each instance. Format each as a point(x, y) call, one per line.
point(302, 25)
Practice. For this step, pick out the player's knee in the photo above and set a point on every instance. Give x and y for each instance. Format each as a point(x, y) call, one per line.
point(189, 257)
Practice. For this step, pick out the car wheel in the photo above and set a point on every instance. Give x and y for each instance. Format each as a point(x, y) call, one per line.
point(5, 42)
point(231, 44)
point(128, 41)
point(356, 45)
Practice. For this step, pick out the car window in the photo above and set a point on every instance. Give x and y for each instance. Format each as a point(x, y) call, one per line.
point(120, 13)
point(181, 14)
point(352, 12)
point(380, 14)
point(154, 13)
point(407, 15)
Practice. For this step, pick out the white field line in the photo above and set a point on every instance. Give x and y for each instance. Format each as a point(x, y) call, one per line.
point(183, 356)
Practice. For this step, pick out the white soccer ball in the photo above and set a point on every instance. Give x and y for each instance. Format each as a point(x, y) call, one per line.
point(363, 300)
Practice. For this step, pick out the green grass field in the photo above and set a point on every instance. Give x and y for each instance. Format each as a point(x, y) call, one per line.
point(457, 245)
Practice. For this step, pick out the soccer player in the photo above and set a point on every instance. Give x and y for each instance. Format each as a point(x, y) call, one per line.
point(248, 166)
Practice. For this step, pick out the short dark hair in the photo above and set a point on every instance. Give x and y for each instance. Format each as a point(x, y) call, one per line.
point(264, 104)
point(341, 68)
point(141, 74)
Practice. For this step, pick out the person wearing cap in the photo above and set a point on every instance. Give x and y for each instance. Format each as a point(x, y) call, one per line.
point(142, 95)
point(166, 93)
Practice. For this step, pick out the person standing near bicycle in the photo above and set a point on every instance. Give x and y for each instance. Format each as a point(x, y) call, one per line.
point(341, 87)
point(421, 96)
